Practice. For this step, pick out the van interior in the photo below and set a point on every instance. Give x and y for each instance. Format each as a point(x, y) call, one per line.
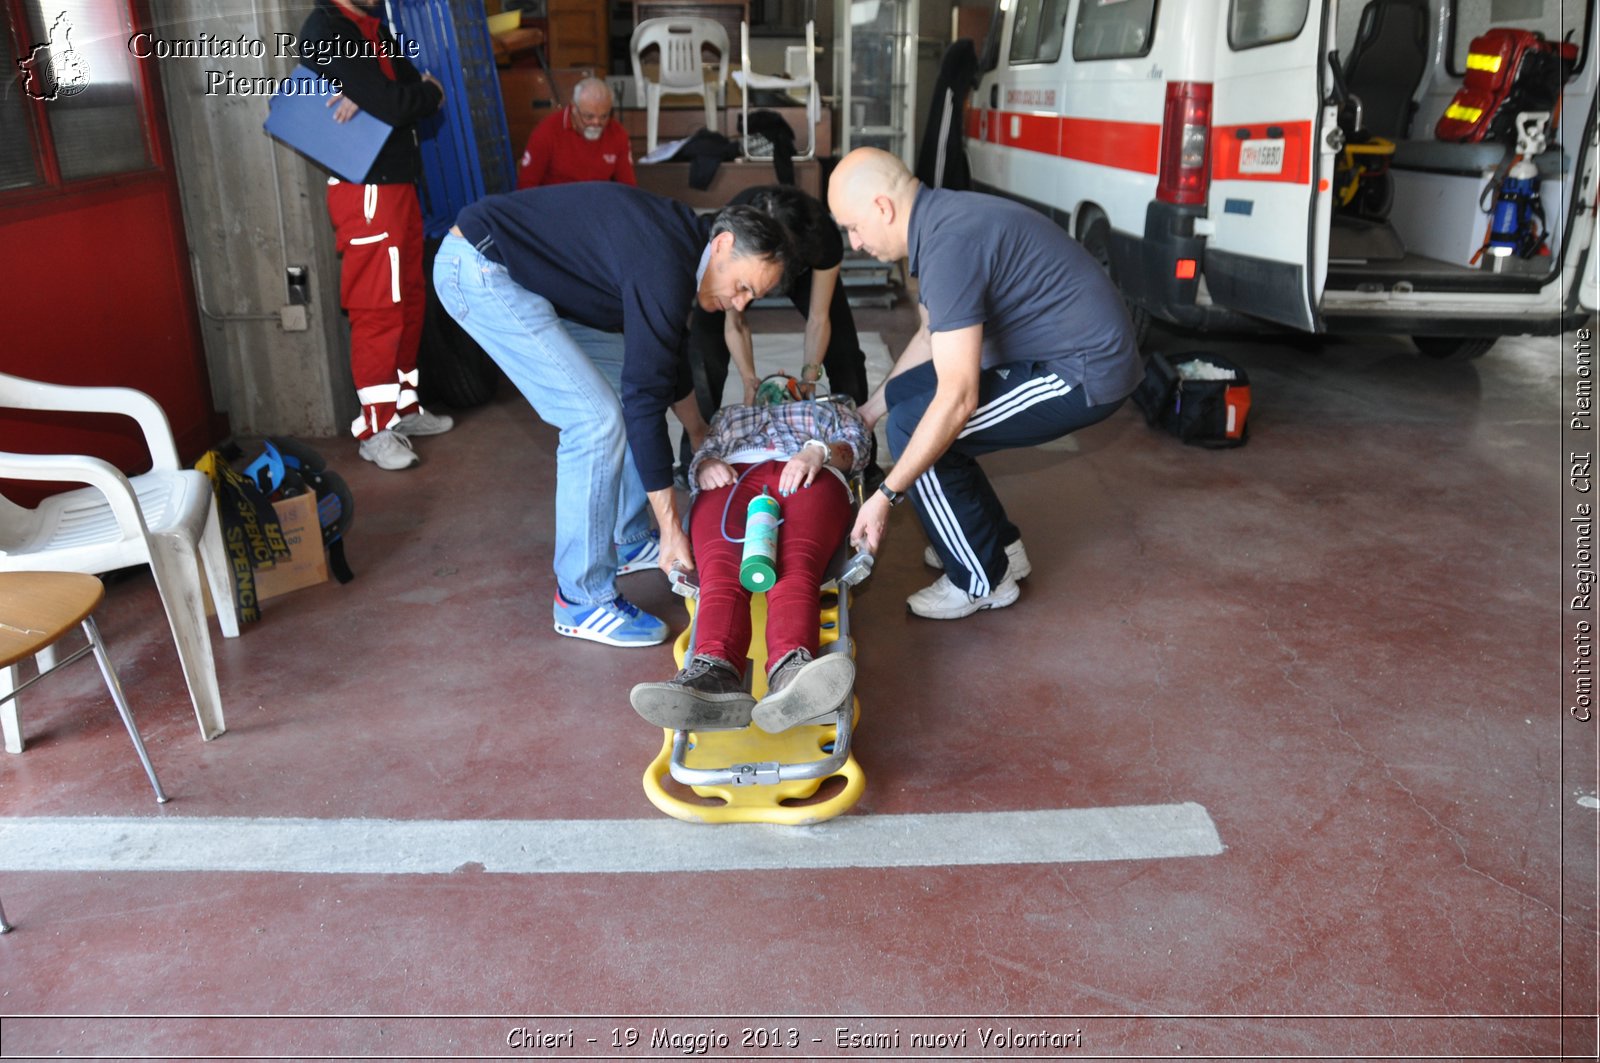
point(1420, 215)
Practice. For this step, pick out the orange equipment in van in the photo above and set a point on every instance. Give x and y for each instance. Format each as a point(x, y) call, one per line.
point(1508, 71)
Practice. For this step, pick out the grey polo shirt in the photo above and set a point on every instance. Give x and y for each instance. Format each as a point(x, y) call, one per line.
point(1040, 297)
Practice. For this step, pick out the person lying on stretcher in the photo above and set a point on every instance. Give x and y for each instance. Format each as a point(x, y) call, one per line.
point(800, 452)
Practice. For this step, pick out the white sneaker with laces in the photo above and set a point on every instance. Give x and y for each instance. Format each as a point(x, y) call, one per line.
point(420, 422)
point(945, 601)
point(389, 450)
point(1017, 563)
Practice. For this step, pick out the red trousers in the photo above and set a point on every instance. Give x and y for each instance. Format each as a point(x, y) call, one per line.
point(815, 521)
point(381, 286)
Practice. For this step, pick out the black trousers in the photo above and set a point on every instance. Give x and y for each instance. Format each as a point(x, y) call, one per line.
point(1019, 405)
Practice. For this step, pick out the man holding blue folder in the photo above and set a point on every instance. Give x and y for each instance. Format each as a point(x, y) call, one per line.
point(378, 225)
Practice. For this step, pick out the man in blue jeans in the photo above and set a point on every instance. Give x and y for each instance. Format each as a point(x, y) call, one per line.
point(1024, 339)
point(545, 279)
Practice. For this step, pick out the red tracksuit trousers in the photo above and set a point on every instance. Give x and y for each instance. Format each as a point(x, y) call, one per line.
point(815, 521)
point(381, 286)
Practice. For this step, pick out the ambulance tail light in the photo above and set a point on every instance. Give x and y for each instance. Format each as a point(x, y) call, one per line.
point(1185, 174)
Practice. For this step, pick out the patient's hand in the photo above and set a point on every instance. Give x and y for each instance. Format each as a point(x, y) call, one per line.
point(715, 473)
point(800, 470)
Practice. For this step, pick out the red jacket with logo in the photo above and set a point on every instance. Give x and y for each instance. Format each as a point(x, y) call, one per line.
point(557, 154)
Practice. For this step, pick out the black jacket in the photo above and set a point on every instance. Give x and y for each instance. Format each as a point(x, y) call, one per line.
point(958, 76)
point(401, 102)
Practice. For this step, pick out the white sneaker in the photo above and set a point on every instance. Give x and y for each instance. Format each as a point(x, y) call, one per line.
point(945, 601)
point(1017, 564)
point(389, 450)
point(422, 423)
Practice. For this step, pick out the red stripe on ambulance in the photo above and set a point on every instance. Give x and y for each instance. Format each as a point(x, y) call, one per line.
point(1132, 146)
point(1029, 132)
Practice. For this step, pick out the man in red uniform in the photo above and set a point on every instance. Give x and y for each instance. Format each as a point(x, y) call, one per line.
point(378, 225)
point(580, 142)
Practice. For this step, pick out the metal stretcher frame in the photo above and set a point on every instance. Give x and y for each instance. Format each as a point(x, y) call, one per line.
point(759, 773)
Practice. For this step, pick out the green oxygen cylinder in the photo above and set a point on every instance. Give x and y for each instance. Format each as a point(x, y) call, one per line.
point(758, 569)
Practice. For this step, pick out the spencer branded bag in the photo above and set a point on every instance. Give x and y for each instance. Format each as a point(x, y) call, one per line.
point(1201, 397)
point(289, 480)
point(288, 467)
point(251, 533)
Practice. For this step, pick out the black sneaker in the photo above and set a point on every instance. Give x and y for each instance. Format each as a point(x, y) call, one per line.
point(804, 688)
point(708, 693)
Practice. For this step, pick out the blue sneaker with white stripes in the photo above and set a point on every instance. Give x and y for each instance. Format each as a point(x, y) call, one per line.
point(616, 623)
point(639, 556)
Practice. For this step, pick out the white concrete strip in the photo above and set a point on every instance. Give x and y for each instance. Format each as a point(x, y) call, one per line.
point(432, 847)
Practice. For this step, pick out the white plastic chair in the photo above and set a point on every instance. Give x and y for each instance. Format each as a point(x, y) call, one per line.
point(792, 84)
point(680, 71)
point(165, 518)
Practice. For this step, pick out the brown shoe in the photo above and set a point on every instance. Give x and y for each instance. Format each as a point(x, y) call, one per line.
point(804, 688)
point(707, 693)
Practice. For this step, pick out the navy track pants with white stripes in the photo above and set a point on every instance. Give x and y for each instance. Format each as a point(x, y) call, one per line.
point(1019, 405)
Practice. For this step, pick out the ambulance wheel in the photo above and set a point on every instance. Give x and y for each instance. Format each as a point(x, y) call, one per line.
point(1096, 240)
point(1454, 348)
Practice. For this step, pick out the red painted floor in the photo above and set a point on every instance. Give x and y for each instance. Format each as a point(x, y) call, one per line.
point(1342, 640)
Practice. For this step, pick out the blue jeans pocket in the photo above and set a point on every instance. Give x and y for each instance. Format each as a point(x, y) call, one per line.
point(447, 282)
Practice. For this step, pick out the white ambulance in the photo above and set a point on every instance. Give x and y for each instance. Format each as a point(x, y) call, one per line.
point(1195, 146)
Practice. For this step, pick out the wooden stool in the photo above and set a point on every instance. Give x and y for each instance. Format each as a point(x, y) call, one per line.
point(37, 609)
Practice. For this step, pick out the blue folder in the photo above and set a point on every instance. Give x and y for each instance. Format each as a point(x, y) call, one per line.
point(300, 117)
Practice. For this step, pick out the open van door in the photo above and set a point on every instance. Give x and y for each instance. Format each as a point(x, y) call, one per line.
point(1589, 277)
point(1270, 198)
point(1589, 293)
point(1587, 281)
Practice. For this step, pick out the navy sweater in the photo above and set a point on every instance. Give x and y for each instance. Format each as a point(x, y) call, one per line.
point(614, 258)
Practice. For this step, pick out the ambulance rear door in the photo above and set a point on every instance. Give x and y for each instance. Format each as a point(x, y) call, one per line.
point(1588, 278)
point(1269, 201)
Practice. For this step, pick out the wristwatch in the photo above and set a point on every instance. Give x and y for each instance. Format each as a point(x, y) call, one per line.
point(894, 497)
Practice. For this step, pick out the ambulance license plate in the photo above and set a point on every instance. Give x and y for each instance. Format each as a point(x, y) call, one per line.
point(1261, 156)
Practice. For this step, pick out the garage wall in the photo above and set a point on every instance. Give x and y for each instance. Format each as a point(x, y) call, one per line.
point(251, 209)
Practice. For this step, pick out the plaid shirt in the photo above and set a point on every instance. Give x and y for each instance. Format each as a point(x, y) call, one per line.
point(782, 430)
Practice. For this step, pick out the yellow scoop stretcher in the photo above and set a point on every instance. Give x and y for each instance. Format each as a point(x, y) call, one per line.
point(759, 777)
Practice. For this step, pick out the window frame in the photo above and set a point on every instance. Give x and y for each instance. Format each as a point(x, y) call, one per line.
point(52, 187)
point(1233, 6)
point(1149, 41)
point(1038, 58)
point(1455, 25)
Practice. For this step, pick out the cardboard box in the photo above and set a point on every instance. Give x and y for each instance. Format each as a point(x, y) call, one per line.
point(307, 563)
